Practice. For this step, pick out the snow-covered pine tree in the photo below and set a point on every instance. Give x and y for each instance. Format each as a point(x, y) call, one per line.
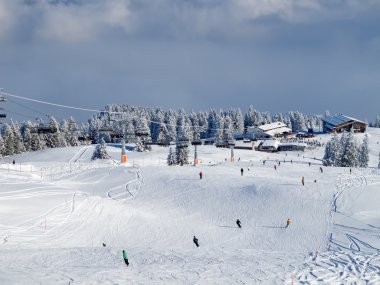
point(2, 146)
point(100, 151)
point(143, 133)
point(182, 154)
point(336, 150)
point(36, 142)
point(9, 143)
point(327, 161)
point(182, 149)
point(228, 130)
point(203, 124)
point(195, 129)
point(27, 137)
point(172, 157)
point(55, 138)
point(183, 127)
point(364, 153)
point(250, 118)
point(377, 122)
point(18, 144)
point(72, 132)
point(139, 145)
point(129, 132)
point(212, 123)
point(333, 151)
point(163, 137)
point(350, 155)
point(237, 121)
point(219, 135)
point(171, 123)
point(155, 125)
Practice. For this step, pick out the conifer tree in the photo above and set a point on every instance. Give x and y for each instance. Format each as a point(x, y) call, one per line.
point(9, 143)
point(2, 146)
point(182, 154)
point(172, 157)
point(228, 130)
point(18, 144)
point(139, 145)
point(350, 155)
point(364, 153)
point(100, 151)
point(219, 135)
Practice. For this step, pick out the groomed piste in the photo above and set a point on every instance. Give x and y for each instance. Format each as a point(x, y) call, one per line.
point(57, 208)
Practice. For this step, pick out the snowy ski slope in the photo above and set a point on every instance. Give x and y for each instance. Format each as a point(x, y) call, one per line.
point(57, 208)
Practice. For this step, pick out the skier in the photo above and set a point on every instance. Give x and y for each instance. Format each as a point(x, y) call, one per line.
point(263, 162)
point(125, 256)
point(195, 240)
point(288, 222)
point(14, 162)
point(200, 175)
point(321, 169)
point(350, 170)
point(275, 167)
point(241, 171)
point(104, 245)
point(238, 223)
point(309, 163)
point(303, 181)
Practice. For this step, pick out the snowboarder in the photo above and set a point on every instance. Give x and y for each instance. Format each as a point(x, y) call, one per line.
point(321, 169)
point(200, 175)
point(125, 256)
point(14, 162)
point(288, 222)
point(104, 245)
point(195, 241)
point(303, 181)
point(238, 223)
point(241, 171)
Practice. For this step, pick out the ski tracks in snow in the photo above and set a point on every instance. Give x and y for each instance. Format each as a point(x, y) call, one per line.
point(353, 261)
point(126, 191)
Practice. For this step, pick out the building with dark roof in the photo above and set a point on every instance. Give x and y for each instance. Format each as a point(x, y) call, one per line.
point(340, 123)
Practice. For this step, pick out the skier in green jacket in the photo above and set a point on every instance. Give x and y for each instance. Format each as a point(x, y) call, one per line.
point(125, 256)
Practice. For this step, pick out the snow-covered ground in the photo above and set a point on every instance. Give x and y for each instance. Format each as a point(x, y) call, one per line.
point(57, 208)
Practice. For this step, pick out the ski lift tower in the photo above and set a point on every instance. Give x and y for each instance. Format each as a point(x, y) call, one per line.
point(195, 143)
point(117, 117)
point(231, 145)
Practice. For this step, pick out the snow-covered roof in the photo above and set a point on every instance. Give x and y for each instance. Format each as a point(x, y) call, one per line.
point(271, 143)
point(277, 131)
point(268, 127)
point(295, 143)
point(339, 119)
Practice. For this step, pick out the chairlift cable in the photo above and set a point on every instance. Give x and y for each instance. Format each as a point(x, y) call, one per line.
point(26, 107)
point(94, 110)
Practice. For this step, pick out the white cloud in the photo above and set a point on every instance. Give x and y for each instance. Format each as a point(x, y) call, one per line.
point(82, 20)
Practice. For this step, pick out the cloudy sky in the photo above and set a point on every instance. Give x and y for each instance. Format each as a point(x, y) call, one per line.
point(278, 55)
